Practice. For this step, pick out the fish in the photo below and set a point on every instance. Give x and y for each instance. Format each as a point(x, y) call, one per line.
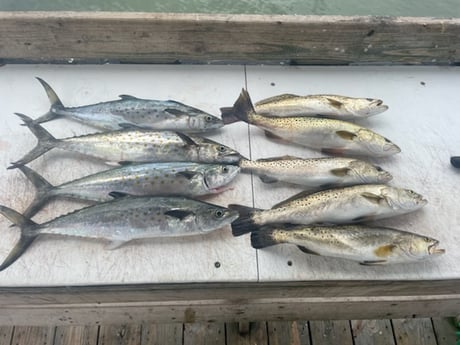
point(122, 220)
point(332, 206)
point(153, 179)
point(133, 112)
point(316, 172)
point(329, 136)
point(131, 145)
point(455, 161)
point(332, 106)
point(364, 244)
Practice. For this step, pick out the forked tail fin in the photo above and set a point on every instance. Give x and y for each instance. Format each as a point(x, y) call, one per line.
point(54, 100)
point(240, 110)
point(245, 223)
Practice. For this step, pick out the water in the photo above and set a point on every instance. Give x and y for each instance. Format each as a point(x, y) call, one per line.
point(417, 8)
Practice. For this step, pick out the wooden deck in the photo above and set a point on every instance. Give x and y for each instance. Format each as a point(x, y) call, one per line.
point(424, 331)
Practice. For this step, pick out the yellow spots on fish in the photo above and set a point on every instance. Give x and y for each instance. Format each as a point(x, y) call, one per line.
point(385, 250)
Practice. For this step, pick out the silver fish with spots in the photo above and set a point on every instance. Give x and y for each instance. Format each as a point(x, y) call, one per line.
point(132, 146)
point(333, 106)
point(334, 206)
point(123, 220)
point(165, 179)
point(364, 244)
point(133, 112)
point(330, 136)
point(316, 172)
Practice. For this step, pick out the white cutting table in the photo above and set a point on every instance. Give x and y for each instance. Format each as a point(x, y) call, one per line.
point(423, 119)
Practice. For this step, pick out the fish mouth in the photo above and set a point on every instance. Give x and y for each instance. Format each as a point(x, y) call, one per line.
point(434, 250)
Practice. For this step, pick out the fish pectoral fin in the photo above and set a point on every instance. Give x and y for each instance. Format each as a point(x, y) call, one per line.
point(385, 250)
point(307, 251)
point(363, 218)
point(373, 198)
point(175, 112)
point(340, 172)
point(334, 103)
point(115, 244)
point(187, 174)
point(346, 135)
point(273, 136)
point(118, 195)
point(179, 214)
point(186, 139)
point(125, 125)
point(127, 97)
point(373, 262)
point(125, 163)
point(333, 151)
point(268, 179)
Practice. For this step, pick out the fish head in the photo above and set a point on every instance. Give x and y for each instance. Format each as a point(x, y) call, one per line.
point(211, 152)
point(365, 107)
point(368, 173)
point(204, 122)
point(420, 247)
point(377, 144)
point(403, 199)
point(218, 176)
point(213, 217)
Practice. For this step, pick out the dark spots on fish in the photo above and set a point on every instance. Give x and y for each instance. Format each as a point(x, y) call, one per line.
point(370, 33)
point(422, 83)
point(289, 263)
point(272, 84)
point(217, 264)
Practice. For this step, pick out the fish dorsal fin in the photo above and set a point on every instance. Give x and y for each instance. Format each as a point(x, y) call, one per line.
point(340, 172)
point(175, 112)
point(307, 251)
point(125, 125)
point(277, 98)
point(127, 97)
point(187, 174)
point(371, 197)
point(279, 158)
point(346, 135)
point(268, 179)
point(118, 195)
point(273, 136)
point(124, 163)
point(179, 214)
point(334, 103)
point(373, 262)
point(294, 197)
point(186, 139)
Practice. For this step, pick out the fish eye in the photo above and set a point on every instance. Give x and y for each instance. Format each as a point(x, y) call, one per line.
point(225, 169)
point(378, 168)
point(221, 148)
point(208, 118)
point(219, 213)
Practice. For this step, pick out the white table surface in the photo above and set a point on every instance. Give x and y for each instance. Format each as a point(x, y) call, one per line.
point(423, 120)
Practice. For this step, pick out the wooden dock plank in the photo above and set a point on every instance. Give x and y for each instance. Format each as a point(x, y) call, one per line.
point(120, 335)
point(414, 331)
point(206, 333)
point(377, 332)
point(6, 335)
point(444, 330)
point(162, 334)
point(76, 335)
point(33, 335)
point(288, 332)
point(331, 332)
point(257, 334)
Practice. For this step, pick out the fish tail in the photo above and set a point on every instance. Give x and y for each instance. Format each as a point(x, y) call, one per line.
point(240, 110)
point(263, 237)
point(45, 141)
point(54, 100)
point(245, 222)
point(43, 189)
point(28, 235)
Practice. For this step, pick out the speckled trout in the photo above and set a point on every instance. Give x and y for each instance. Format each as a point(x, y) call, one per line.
point(330, 136)
point(135, 145)
point(316, 172)
point(333, 206)
point(334, 106)
point(367, 245)
point(165, 179)
point(133, 112)
point(123, 220)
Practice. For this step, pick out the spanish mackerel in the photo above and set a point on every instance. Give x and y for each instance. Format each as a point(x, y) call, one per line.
point(334, 106)
point(316, 172)
point(327, 135)
point(136, 145)
point(334, 206)
point(124, 219)
point(133, 112)
point(367, 245)
point(165, 179)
